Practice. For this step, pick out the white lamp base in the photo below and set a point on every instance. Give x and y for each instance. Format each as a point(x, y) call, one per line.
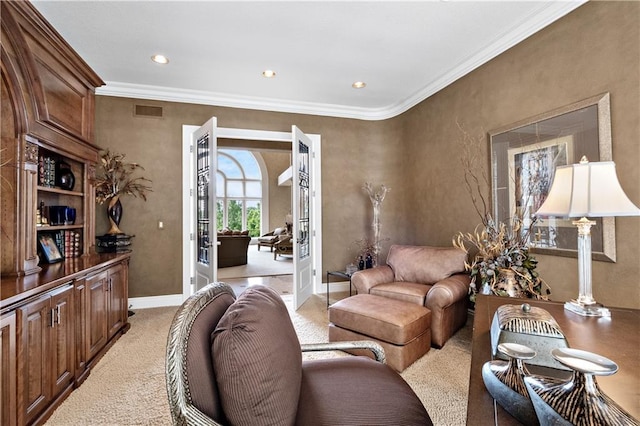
point(587, 310)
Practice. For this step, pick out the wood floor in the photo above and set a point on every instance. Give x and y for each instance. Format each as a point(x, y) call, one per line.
point(283, 284)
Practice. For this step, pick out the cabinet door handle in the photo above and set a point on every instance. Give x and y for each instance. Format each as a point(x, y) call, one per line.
point(110, 283)
point(58, 321)
point(53, 318)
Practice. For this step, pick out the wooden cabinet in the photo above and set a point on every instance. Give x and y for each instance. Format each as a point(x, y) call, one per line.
point(105, 310)
point(46, 348)
point(56, 319)
point(47, 98)
point(80, 299)
point(50, 340)
point(106, 307)
point(117, 299)
point(96, 313)
point(8, 381)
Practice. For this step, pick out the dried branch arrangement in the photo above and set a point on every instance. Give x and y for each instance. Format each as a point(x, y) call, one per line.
point(115, 178)
point(502, 264)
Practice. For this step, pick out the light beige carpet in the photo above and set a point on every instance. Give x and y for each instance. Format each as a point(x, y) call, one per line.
point(127, 387)
point(259, 263)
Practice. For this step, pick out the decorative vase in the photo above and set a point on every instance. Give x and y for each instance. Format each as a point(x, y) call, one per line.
point(577, 401)
point(64, 177)
point(508, 282)
point(505, 382)
point(114, 211)
point(376, 200)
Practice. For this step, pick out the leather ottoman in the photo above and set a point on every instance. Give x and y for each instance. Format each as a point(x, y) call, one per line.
point(403, 329)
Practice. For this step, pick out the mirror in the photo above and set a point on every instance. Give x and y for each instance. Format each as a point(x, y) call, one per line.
point(524, 156)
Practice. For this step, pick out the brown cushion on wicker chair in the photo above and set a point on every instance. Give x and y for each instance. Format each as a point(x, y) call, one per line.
point(204, 392)
point(385, 400)
point(256, 356)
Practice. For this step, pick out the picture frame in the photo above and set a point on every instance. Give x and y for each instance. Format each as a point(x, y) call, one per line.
point(524, 156)
point(49, 249)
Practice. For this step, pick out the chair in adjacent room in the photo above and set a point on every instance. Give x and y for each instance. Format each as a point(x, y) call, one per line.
point(239, 362)
point(271, 238)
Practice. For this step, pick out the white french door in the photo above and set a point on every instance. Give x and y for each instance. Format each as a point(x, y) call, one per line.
point(204, 143)
point(199, 227)
point(303, 220)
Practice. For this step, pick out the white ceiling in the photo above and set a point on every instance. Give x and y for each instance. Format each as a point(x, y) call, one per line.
point(404, 51)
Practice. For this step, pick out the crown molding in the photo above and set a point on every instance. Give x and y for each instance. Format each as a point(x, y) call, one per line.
point(172, 94)
point(546, 14)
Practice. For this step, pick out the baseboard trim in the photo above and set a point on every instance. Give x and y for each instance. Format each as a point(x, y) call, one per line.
point(176, 299)
point(155, 301)
point(334, 286)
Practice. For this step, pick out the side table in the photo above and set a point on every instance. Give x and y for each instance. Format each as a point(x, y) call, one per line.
point(341, 274)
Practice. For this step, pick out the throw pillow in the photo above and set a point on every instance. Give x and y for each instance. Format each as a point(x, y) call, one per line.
point(257, 360)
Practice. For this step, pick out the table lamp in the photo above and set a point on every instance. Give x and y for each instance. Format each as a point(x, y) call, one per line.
point(581, 190)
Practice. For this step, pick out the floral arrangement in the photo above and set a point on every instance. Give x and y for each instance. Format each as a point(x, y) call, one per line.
point(502, 264)
point(115, 178)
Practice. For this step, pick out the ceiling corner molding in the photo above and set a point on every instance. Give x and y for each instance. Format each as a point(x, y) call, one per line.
point(170, 94)
point(546, 14)
point(519, 31)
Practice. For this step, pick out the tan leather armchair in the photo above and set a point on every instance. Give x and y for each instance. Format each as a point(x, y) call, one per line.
point(433, 277)
point(239, 362)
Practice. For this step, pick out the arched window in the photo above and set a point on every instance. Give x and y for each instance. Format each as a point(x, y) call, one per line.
point(238, 191)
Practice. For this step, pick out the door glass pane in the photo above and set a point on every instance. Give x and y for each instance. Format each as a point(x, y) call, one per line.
point(303, 224)
point(234, 215)
point(202, 201)
point(253, 218)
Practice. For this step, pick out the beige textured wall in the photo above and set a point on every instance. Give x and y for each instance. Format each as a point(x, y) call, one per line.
point(353, 152)
point(590, 51)
point(593, 50)
point(279, 196)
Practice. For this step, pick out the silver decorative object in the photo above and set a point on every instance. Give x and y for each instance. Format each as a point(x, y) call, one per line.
point(529, 326)
point(577, 401)
point(505, 382)
point(377, 197)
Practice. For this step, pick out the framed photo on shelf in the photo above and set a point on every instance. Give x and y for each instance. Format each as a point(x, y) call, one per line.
point(49, 248)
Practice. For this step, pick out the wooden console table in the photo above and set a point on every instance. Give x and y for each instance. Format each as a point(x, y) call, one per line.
point(617, 338)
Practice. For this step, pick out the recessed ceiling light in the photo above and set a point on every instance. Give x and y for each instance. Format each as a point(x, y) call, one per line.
point(160, 59)
point(269, 73)
point(359, 85)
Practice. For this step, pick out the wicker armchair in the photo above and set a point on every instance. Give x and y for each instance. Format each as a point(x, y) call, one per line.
point(346, 390)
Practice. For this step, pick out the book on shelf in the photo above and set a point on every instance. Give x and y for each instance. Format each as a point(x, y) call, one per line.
point(68, 242)
point(46, 171)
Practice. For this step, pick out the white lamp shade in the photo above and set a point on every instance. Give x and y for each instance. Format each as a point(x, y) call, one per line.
point(587, 190)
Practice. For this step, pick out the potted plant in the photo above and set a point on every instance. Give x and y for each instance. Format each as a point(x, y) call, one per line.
point(114, 179)
point(502, 264)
